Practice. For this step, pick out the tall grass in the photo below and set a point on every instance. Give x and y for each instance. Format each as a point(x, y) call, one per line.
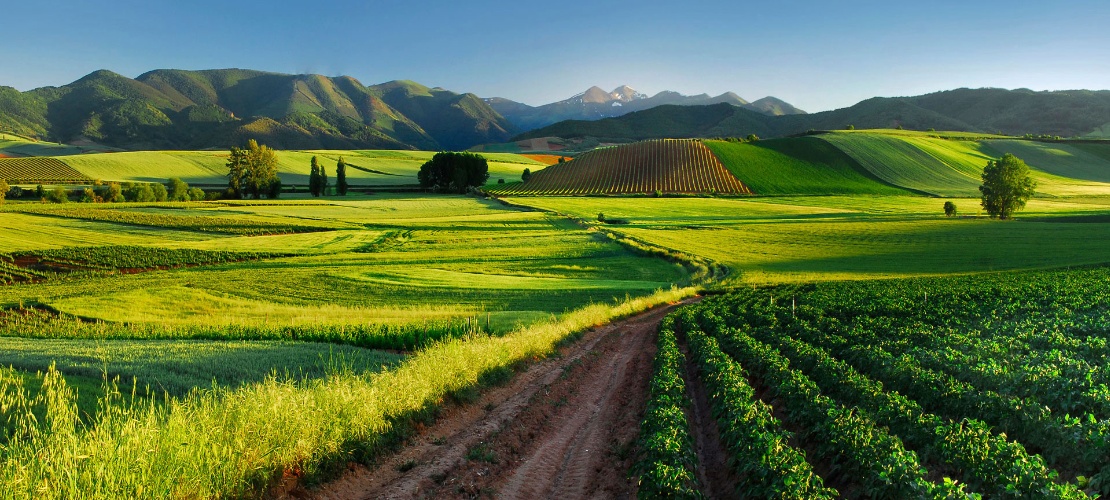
point(235, 443)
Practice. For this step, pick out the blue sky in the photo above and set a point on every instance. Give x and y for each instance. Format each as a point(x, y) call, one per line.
point(817, 55)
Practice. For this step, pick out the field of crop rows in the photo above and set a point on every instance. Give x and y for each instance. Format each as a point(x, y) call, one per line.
point(926, 388)
point(39, 170)
point(666, 166)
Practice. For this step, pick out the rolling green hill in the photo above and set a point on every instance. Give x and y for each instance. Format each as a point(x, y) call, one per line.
point(805, 165)
point(175, 109)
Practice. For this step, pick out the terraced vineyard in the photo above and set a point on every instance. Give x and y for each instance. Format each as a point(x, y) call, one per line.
point(666, 165)
point(39, 170)
point(931, 388)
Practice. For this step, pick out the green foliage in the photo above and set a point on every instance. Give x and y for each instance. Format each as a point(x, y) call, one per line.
point(341, 185)
point(88, 195)
point(1006, 187)
point(4, 188)
point(952, 366)
point(949, 209)
point(196, 194)
point(160, 193)
point(666, 467)
point(314, 178)
point(58, 195)
point(179, 190)
point(454, 172)
point(251, 171)
point(527, 174)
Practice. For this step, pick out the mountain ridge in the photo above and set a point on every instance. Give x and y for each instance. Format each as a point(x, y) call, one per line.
point(596, 103)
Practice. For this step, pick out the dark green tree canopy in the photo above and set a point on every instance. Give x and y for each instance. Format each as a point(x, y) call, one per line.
point(341, 177)
point(1006, 187)
point(454, 172)
point(314, 178)
point(252, 171)
point(949, 208)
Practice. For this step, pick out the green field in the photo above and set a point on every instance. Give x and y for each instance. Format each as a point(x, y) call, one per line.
point(772, 240)
point(804, 165)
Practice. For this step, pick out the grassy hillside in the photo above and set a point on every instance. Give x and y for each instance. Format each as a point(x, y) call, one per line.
point(900, 163)
point(805, 165)
point(1079, 161)
point(665, 166)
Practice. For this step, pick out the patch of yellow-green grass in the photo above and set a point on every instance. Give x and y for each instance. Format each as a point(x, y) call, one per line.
point(180, 305)
point(23, 232)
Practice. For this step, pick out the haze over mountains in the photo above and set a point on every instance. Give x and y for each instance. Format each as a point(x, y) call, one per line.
point(595, 104)
point(177, 109)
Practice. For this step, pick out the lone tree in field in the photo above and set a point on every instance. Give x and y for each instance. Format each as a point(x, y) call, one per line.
point(453, 172)
point(341, 177)
point(527, 174)
point(949, 209)
point(314, 178)
point(252, 171)
point(1006, 186)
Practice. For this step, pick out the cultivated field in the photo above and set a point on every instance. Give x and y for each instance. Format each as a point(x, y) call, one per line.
point(665, 166)
point(902, 389)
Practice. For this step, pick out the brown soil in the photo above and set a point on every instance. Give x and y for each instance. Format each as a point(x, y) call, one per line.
point(715, 478)
point(565, 427)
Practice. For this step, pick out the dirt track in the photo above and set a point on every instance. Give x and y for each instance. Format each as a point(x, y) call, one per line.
point(563, 428)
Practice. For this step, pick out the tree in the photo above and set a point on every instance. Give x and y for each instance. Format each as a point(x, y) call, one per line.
point(341, 177)
point(454, 172)
point(3, 191)
point(89, 196)
point(314, 178)
point(1006, 187)
point(949, 209)
point(179, 190)
point(850, 127)
point(323, 181)
point(752, 138)
point(527, 174)
point(160, 193)
point(196, 194)
point(58, 195)
point(113, 193)
point(251, 171)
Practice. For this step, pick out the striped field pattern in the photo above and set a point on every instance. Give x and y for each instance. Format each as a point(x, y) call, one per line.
point(665, 165)
point(40, 170)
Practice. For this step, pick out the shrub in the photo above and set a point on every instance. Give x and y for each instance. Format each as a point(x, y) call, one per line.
point(196, 194)
point(58, 195)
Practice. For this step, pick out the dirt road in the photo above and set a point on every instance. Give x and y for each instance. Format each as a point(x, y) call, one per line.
point(563, 428)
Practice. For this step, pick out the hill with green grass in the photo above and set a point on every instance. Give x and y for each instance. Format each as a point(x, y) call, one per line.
point(1080, 113)
point(176, 109)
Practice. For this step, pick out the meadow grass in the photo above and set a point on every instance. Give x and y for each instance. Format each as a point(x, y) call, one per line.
point(803, 165)
point(233, 443)
point(796, 239)
point(900, 163)
point(1063, 160)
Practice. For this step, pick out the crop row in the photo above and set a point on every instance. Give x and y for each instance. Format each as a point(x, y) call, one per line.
point(39, 170)
point(126, 258)
point(997, 383)
point(666, 166)
point(667, 465)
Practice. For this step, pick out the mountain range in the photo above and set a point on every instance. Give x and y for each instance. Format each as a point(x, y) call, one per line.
point(172, 109)
point(1072, 113)
point(595, 103)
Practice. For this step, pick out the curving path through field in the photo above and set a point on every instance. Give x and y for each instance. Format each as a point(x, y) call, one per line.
point(563, 428)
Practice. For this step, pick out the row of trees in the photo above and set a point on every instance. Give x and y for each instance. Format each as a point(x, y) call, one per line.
point(318, 178)
point(112, 192)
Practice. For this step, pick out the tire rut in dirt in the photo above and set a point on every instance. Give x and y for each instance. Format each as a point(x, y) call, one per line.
point(716, 479)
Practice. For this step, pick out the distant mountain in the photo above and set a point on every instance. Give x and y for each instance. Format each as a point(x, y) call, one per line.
point(595, 104)
point(1012, 112)
point(169, 109)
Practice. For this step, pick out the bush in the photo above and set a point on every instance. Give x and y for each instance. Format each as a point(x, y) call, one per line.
point(89, 196)
point(160, 192)
point(500, 181)
point(58, 195)
point(949, 209)
point(196, 194)
point(179, 190)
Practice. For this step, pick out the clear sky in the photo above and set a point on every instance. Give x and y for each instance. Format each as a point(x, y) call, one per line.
point(817, 55)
